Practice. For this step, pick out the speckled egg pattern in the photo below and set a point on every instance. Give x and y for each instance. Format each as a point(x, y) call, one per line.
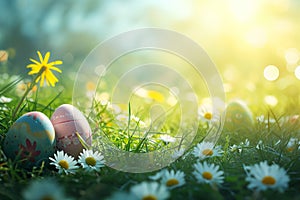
point(31, 138)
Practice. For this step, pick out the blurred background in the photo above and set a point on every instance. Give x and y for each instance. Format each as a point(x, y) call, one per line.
point(255, 44)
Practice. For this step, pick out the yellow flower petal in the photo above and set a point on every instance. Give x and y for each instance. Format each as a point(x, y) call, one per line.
point(34, 61)
point(47, 82)
point(37, 80)
point(42, 79)
point(34, 68)
point(55, 69)
point(44, 69)
point(40, 57)
point(46, 59)
point(57, 62)
point(51, 78)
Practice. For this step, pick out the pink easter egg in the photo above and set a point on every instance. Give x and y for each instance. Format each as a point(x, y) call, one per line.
point(67, 120)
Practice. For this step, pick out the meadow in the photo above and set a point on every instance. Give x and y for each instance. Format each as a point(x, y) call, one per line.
point(150, 135)
point(255, 156)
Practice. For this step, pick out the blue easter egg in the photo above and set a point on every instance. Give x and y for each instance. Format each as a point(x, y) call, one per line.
point(30, 140)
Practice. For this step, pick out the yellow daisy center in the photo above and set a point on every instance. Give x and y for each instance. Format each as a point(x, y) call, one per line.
point(268, 180)
point(43, 68)
point(90, 161)
point(207, 115)
point(172, 182)
point(64, 164)
point(149, 197)
point(207, 152)
point(207, 175)
point(47, 197)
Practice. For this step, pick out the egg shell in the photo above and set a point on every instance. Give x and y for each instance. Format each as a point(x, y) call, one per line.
point(30, 139)
point(238, 116)
point(67, 120)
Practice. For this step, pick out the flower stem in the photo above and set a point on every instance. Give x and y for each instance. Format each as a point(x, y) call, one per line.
point(33, 83)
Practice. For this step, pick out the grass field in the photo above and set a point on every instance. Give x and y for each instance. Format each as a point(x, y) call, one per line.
point(271, 136)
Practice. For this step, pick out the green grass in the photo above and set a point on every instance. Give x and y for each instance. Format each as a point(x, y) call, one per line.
point(263, 138)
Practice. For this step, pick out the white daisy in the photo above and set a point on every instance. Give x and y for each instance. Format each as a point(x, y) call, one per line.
point(206, 113)
point(235, 148)
point(4, 99)
point(266, 121)
point(260, 145)
point(44, 189)
point(208, 173)
point(263, 119)
point(167, 138)
point(206, 149)
point(150, 191)
point(90, 160)
point(122, 121)
point(63, 162)
point(178, 153)
point(263, 176)
point(239, 148)
point(246, 143)
point(173, 179)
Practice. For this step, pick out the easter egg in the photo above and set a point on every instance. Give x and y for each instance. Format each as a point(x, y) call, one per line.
point(238, 116)
point(31, 139)
point(68, 121)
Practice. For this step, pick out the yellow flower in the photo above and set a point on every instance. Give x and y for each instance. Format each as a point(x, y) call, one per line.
point(3, 56)
point(43, 68)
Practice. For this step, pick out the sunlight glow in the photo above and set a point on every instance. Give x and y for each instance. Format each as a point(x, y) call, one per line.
point(256, 37)
point(271, 73)
point(244, 10)
point(211, 20)
point(297, 72)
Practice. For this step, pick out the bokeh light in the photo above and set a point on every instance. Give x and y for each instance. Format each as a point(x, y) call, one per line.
point(292, 56)
point(297, 72)
point(271, 73)
point(241, 37)
point(271, 100)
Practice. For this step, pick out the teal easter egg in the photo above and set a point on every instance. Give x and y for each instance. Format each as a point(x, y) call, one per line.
point(30, 140)
point(238, 116)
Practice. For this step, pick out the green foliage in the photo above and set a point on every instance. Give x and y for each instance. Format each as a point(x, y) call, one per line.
point(267, 141)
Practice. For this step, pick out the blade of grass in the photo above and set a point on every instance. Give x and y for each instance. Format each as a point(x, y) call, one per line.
point(276, 119)
point(10, 85)
point(83, 143)
point(56, 97)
